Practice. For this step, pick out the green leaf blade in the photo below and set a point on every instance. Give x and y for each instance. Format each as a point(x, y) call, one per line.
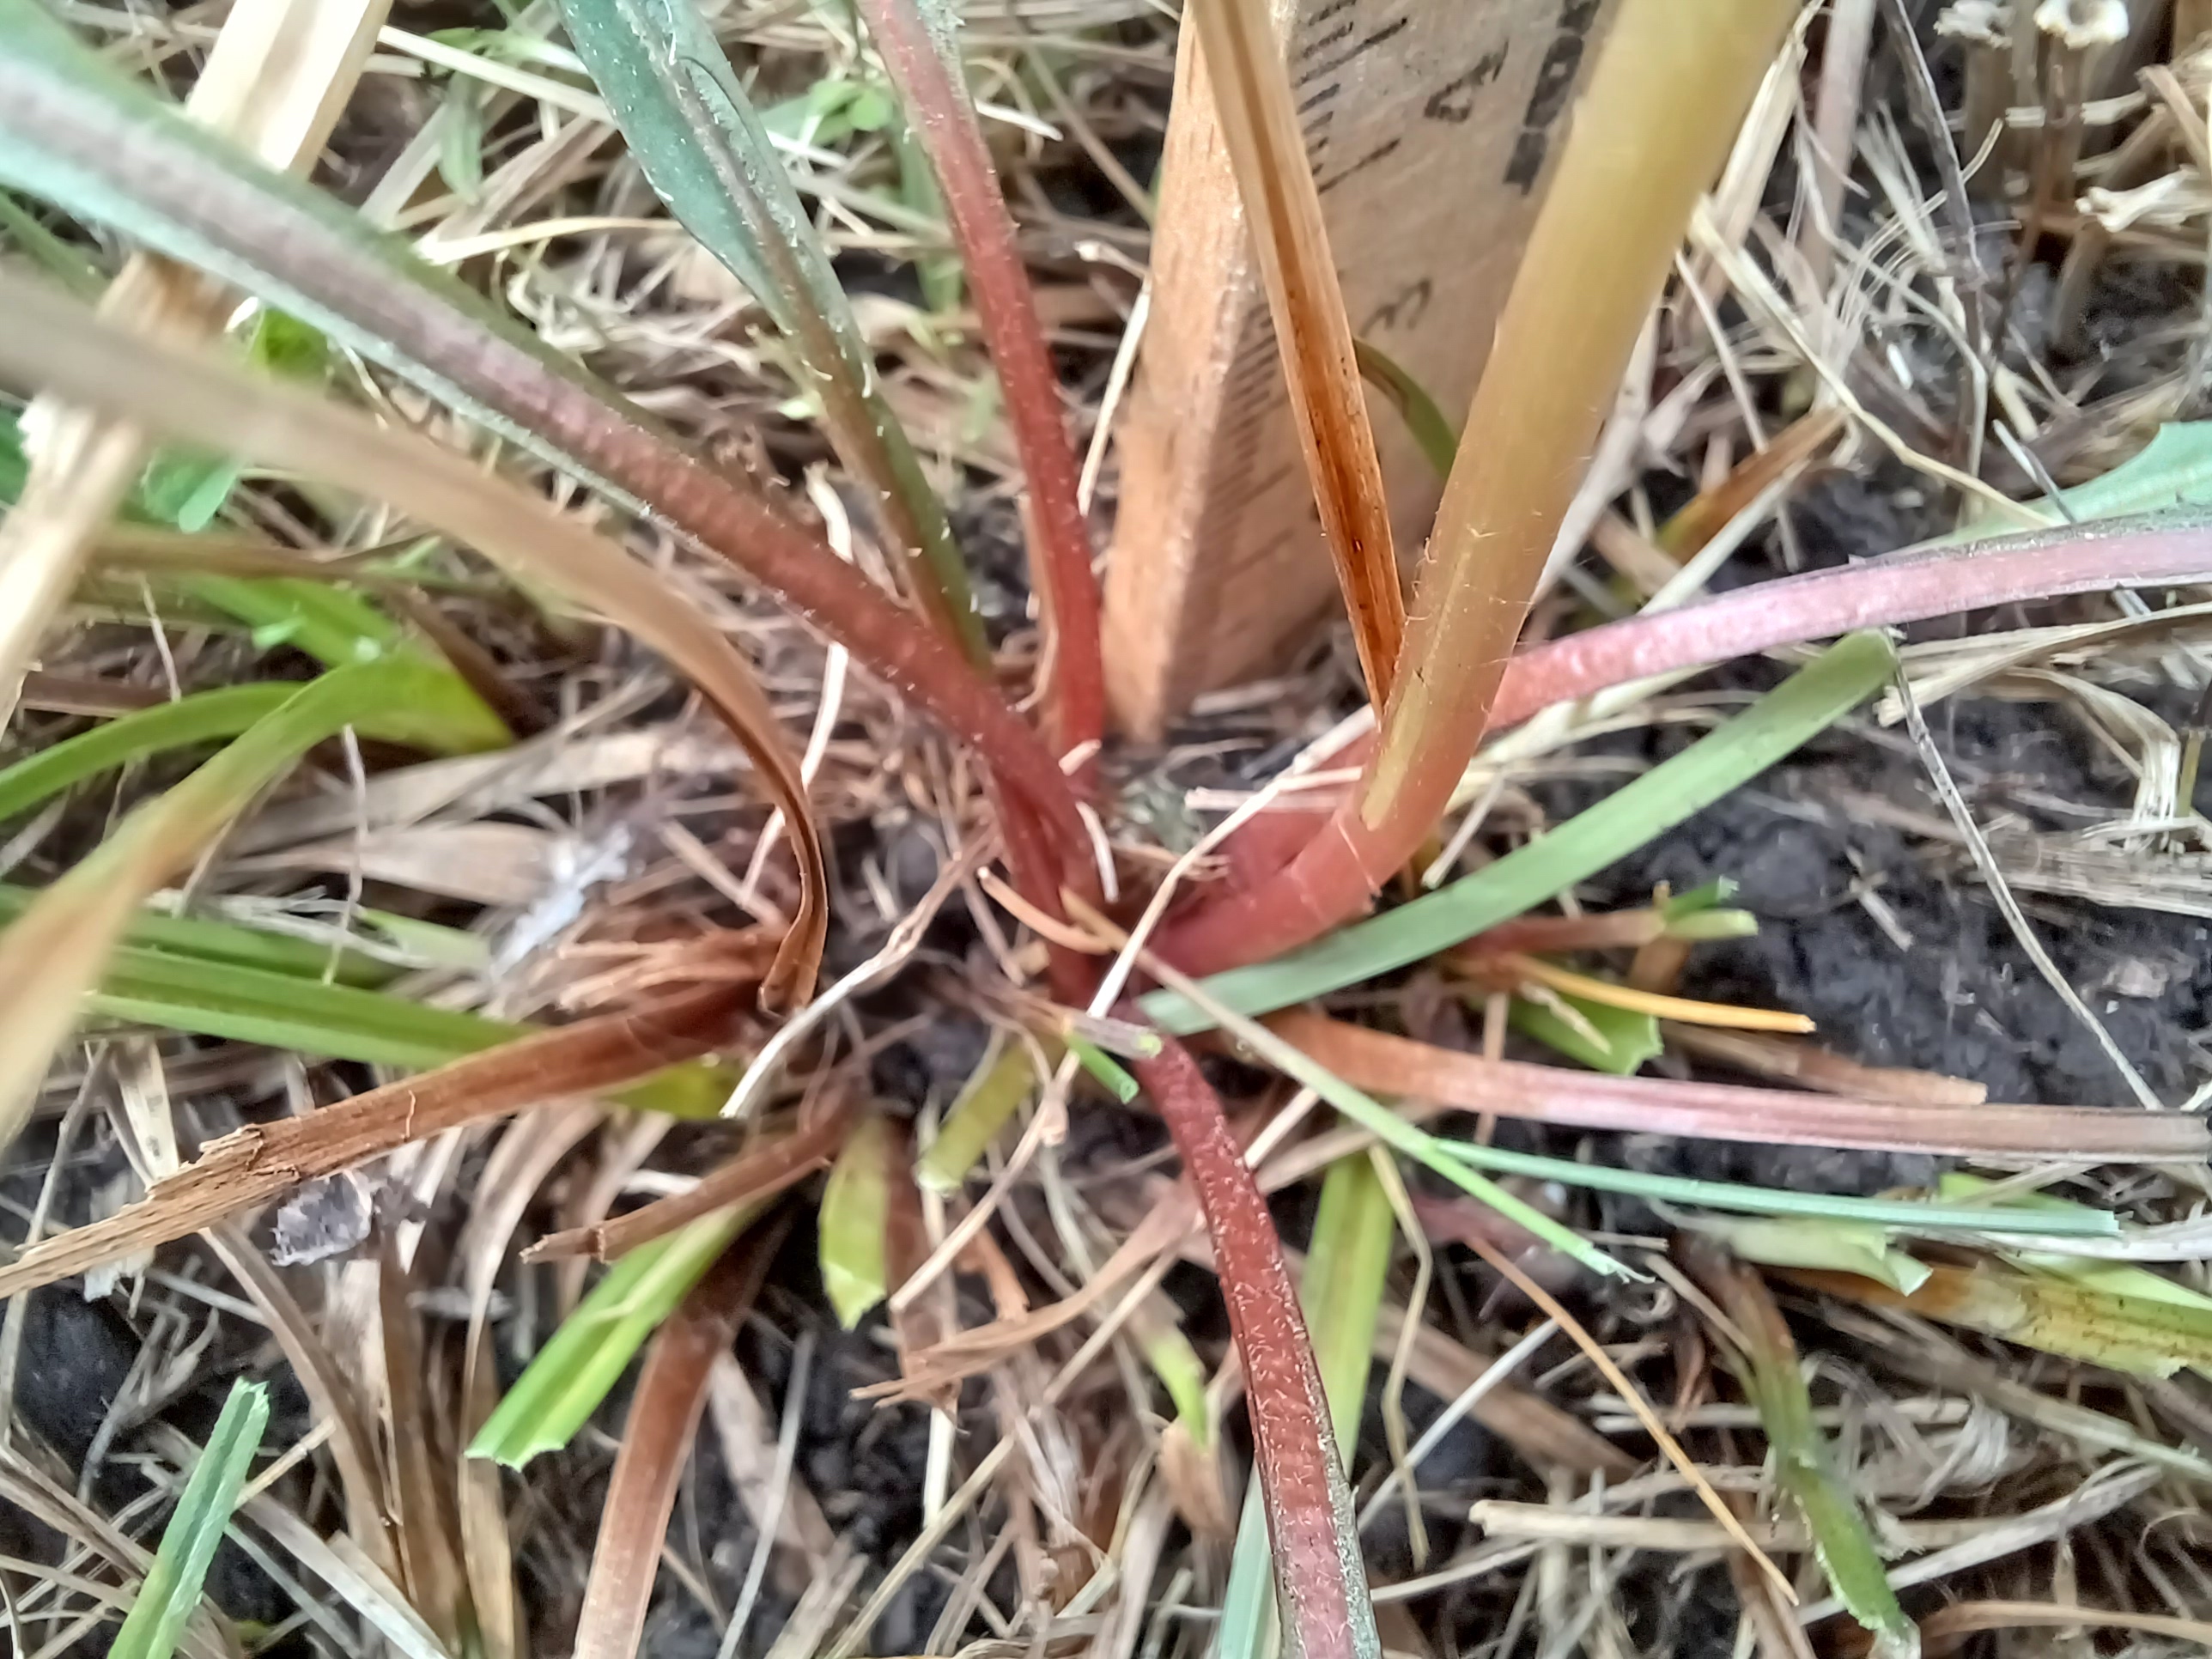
point(157, 1619)
point(705, 150)
point(853, 1248)
point(240, 1003)
point(1617, 1041)
point(563, 1385)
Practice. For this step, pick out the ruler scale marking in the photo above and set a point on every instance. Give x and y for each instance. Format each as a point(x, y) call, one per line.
point(1429, 125)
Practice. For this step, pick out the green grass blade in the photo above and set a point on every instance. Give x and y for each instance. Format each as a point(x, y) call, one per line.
point(14, 461)
point(202, 717)
point(1342, 1289)
point(1624, 1038)
point(1446, 1158)
point(561, 1388)
point(944, 280)
point(1909, 1215)
point(188, 489)
point(1181, 1373)
point(1803, 1462)
point(695, 131)
point(1842, 1247)
point(421, 943)
point(1341, 1293)
point(397, 701)
point(851, 1244)
point(1807, 702)
point(338, 628)
point(323, 619)
point(975, 1118)
point(1842, 1541)
point(66, 264)
point(1108, 1070)
point(457, 725)
point(2174, 469)
point(244, 1004)
point(1430, 427)
point(171, 1590)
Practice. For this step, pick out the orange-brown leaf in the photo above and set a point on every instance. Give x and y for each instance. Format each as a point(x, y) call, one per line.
point(254, 1165)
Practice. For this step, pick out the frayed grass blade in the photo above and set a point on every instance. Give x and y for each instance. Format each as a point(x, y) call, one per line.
point(157, 1619)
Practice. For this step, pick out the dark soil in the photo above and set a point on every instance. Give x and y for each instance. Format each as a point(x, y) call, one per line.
point(1962, 997)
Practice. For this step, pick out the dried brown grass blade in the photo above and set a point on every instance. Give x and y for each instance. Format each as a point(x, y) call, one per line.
point(278, 74)
point(256, 1164)
point(1811, 1066)
point(1710, 510)
point(759, 1174)
point(1945, 1629)
point(54, 342)
point(429, 1555)
point(1380, 1063)
point(973, 1350)
point(1252, 92)
point(331, 1394)
point(526, 1155)
point(663, 1417)
point(1546, 1435)
point(1628, 1391)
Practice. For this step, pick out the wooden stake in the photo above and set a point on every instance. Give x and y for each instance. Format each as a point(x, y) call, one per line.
point(1430, 128)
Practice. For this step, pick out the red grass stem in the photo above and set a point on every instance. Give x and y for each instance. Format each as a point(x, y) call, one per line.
point(281, 244)
point(1306, 875)
point(1317, 1569)
point(938, 106)
point(1382, 1064)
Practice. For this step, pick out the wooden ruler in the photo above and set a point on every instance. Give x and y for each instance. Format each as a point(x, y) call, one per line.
point(1430, 126)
